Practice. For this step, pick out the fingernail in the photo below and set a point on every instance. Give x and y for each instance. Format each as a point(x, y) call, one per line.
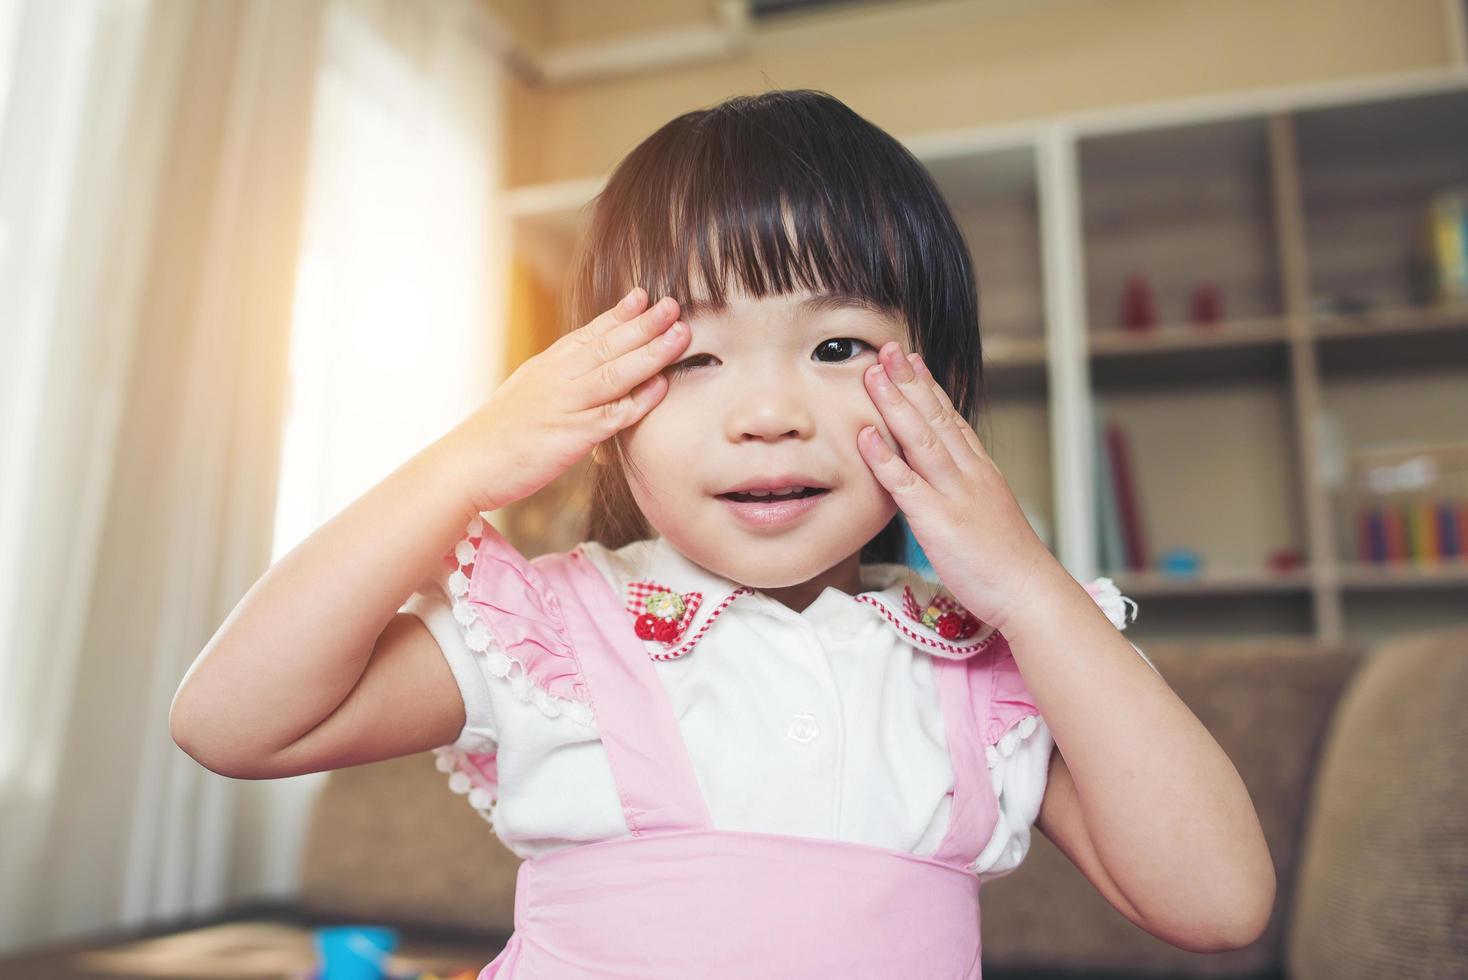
point(879, 376)
point(630, 300)
point(673, 334)
point(665, 305)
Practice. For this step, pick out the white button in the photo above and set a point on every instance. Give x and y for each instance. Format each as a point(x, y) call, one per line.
point(803, 728)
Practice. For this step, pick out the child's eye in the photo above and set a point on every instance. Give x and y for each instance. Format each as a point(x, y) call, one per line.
point(838, 344)
point(681, 366)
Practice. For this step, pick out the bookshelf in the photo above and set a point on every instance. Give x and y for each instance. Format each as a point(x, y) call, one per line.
point(1304, 209)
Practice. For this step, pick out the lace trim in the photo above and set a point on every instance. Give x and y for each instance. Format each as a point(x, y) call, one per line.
point(473, 775)
point(1014, 834)
point(1004, 748)
point(1112, 602)
point(500, 663)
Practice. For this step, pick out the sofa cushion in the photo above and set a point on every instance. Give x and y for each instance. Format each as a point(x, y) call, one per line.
point(1383, 886)
point(389, 843)
point(1267, 702)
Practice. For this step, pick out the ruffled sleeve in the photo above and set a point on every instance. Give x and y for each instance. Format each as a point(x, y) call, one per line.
point(1019, 744)
point(500, 629)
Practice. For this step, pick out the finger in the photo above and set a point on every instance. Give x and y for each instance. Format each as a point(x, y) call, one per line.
point(906, 486)
point(622, 412)
point(612, 379)
point(970, 437)
point(924, 449)
point(588, 352)
point(940, 418)
point(627, 307)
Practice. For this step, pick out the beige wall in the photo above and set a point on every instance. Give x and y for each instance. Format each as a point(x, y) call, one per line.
point(920, 67)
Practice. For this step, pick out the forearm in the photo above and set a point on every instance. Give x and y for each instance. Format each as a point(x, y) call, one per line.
point(1167, 812)
point(297, 643)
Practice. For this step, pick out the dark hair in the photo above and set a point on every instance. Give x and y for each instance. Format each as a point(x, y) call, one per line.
point(776, 192)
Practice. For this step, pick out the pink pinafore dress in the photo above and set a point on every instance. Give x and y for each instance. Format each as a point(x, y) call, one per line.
point(681, 898)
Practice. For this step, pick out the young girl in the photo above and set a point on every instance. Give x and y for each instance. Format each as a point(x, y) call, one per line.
point(731, 732)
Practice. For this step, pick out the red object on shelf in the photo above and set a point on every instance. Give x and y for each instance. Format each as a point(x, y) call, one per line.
point(1207, 308)
point(1126, 498)
point(1138, 305)
point(1286, 559)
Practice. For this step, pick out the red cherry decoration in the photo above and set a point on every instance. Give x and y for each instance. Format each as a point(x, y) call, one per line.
point(646, 626)
point(968, 626)
point(665, 630)
point(949, 625)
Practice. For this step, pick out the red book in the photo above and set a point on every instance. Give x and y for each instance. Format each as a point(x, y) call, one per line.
point(1126, 498)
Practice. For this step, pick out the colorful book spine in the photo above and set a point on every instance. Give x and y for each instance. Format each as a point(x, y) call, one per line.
point(1395, 521)
point(1421, 532)
point(1370, 535)
point(1448, 530)
point(1449, 224)
point(1425, 546)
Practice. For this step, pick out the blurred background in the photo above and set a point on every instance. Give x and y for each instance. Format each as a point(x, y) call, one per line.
point(254, 254)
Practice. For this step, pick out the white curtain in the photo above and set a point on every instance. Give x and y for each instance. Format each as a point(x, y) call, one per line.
point(173, 176)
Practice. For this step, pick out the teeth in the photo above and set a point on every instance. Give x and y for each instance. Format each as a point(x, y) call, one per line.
point(784, 492)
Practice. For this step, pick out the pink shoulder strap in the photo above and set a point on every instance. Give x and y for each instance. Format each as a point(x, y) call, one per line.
point(650, 764)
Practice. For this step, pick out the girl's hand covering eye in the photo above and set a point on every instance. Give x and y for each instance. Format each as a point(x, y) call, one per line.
point(581, 390)
point(959, 506)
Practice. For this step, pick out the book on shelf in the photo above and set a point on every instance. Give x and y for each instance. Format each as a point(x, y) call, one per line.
point(1448, 243)
point(1119, 535)
point(1409, 504)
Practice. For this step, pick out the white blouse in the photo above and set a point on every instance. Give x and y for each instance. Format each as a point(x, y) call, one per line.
point(822, 723)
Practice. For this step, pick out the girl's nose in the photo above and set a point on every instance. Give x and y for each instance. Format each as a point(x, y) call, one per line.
point(769, 411)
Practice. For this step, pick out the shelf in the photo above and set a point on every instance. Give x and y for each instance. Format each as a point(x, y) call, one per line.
point(1449, 573)
point(1268, 332)
point(1242, 581)
point(1242, 350)
point(1392, 322)
point(1410, 339)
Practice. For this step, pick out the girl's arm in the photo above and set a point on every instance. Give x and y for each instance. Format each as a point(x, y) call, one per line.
point(314, 669)
point(301, 640)
point(1140, 796)
point(1146, 803)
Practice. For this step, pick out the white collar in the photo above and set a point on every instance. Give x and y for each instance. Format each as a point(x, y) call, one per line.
point(893, 594)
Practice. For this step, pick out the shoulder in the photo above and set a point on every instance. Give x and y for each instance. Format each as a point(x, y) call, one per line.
point(510, 619)
point(619, 566)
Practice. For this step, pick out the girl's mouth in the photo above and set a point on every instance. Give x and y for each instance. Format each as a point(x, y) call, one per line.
point(770, 511)
point(752, 498)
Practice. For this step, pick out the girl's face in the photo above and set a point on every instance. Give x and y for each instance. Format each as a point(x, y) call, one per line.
point(767, 388)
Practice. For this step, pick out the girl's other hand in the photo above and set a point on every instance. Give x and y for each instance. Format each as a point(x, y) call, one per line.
point(558, 405)
point(955, 499)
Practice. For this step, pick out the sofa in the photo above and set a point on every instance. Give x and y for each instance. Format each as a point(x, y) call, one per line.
point(1356, 758)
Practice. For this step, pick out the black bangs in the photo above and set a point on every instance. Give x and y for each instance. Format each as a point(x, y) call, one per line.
point(780, 192)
